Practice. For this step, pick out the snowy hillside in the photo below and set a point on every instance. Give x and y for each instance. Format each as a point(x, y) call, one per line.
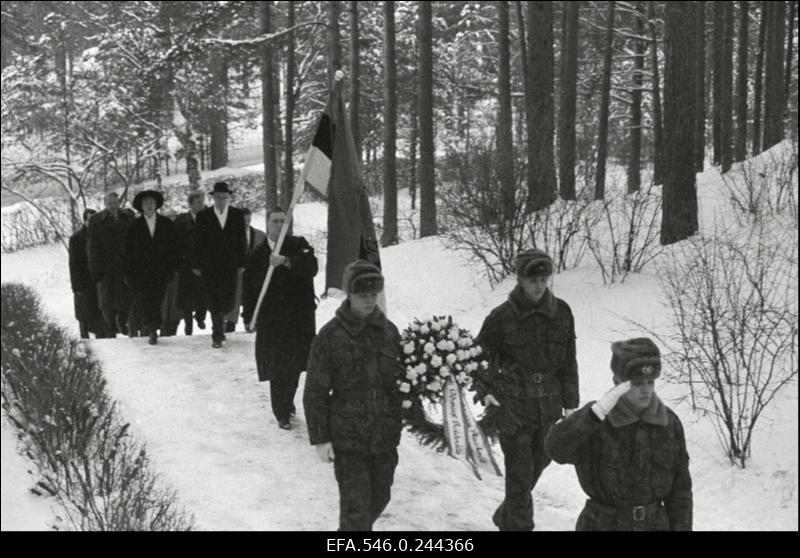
point(211, 434)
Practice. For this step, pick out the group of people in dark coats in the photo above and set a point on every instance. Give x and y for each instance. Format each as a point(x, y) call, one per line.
point(628, 448)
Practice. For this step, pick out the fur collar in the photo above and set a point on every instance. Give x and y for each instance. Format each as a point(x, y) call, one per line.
point(353, 324)
point(524, 307)
point(624, 414)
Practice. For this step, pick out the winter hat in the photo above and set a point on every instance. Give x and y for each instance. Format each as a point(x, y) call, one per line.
point(533, 263)
point(361, 277)
point(221, 188)
point(635, 359)
point(141, 196)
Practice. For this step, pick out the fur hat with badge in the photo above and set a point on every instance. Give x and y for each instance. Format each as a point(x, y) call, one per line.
point(635, 359)
point(533, 263)
point(362, 277)
point(141, 196)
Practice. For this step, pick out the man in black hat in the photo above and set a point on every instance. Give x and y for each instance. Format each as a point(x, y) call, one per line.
point(532, 380)
point(84, 292)
point(286, 324)
point(151, 260)
point(191, 291)
point(219, 256)
point(351, 400)
point(629, 450)
point(106, 247)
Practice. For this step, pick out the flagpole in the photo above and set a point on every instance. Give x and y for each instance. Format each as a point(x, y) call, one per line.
point(298, 190)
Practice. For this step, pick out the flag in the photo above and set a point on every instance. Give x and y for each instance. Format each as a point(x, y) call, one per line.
point(332, 169)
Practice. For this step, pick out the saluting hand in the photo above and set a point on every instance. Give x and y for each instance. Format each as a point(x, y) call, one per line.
point(604, 405)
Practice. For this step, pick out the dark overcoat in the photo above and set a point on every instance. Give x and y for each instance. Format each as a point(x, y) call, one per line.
point(218, 253)
point(83, 287)
point(150, 261)
point(106, 251)
point(625, 462)
point(351, 397)
point(191, 293)
point(286, 322)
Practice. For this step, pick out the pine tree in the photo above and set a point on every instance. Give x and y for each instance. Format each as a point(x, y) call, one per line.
point(505, 140)
point(427, 179)
point(566, 114)
point(389, 236)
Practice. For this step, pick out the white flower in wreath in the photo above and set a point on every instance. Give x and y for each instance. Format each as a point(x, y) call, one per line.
point(435, 385)
point(435, 326)
point(436, 361)
point(414, 327)
point(464, 342)
point(429, 348)
point(405, 387)
point(459, 367)
point(424, 330)
point(453, 336)
point(451, 346)
point(412, 358)
point(451, 359)
point(444, 371)
point(411, 373)
point(442, 345)
point(421, 369)
point(472, 367)
point(409, 348)
point(407, 404)
point(484, 364)
point(478, 350)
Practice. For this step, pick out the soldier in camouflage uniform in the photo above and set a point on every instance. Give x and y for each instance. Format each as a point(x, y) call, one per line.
point(351, 400)
point(629, 450)
point(530, 339)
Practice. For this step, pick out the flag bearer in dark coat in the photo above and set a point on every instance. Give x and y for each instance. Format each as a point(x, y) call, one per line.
point(351, 400)
point(286, 324)
point(84, 292)
point(533, 378)
point(151, 260)
point(219, 256)
point(253, 238)
point(191, 291)
point(629, 450)
point(106, 248)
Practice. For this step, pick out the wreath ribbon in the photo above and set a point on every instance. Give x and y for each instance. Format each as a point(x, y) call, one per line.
point(465, 439)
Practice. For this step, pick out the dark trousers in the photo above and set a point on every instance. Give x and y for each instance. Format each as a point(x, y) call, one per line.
point(525, 459)
point(147, 308)
point(220, 294)
point(365, 483)
point(84, 327)
point(112, 317)
point(282, 391)
point(188, 326)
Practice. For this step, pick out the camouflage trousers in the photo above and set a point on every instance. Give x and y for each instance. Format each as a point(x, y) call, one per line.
point(525, 459)
point(365, 483)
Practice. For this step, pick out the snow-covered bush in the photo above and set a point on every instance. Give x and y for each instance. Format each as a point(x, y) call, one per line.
point(765, 185)
point(733, 299)
point(54, 392)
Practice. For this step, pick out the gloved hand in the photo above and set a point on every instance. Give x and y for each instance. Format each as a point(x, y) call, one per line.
point(568, 412)
point(325, 452)
point(603, 406)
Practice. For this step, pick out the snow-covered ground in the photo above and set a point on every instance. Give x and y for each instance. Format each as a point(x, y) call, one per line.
point(210, 432)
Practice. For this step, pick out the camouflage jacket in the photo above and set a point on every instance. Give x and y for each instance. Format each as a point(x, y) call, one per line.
point(351, 397)
point(627, 461)
point(533, 370)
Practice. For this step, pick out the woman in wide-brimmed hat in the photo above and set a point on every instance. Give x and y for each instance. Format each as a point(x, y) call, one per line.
point(151, 259)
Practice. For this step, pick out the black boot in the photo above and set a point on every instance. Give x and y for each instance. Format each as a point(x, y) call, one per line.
point(153, 337)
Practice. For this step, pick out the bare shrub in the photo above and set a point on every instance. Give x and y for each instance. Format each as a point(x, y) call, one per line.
point(622, 231)
point(733, 300)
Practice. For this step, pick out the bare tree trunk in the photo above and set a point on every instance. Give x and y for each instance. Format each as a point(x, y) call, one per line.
point(389, 128)
point(60, 55)
point(569, 86)
point(218, 117)
point(334, 41)
point(774, 103)
point(740, 142)
point(635, 160)
point(355, 72)
point(719, 54)
point(542, 187)
point(679, 219)
point(412, 173)
point(505, 137)
point(428, 223)
point(787, 78)
point(268, 110)
point(605, 100)
point(700, 88)
point(759, 80)
point(658, 134)
point(288, 135)
point(726, 129)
